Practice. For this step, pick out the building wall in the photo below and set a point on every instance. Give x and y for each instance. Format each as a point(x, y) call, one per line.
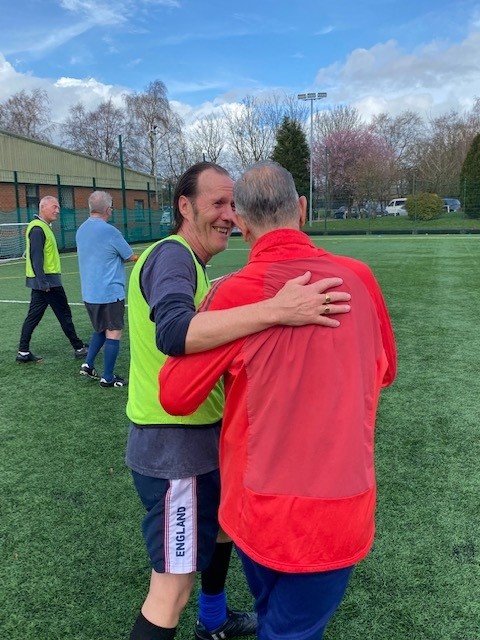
point(42, 167)
point(21, 154)
point(81, 194)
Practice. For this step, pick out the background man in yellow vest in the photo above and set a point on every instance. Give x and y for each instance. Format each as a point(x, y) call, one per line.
point(44, 279)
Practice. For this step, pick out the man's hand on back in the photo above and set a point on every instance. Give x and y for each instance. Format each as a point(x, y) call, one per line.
point(299, 303)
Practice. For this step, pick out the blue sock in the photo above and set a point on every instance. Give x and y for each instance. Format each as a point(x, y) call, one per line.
point(96, 343)
point(212, 610)
point(110, 353)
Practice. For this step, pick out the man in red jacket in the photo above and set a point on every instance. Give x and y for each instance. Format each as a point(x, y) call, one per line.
point(296, 448)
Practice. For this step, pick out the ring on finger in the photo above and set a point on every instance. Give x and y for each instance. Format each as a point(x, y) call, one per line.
point(326, 310)
point(328, 298)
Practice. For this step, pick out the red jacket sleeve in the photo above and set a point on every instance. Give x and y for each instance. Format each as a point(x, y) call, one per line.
point(186, 381)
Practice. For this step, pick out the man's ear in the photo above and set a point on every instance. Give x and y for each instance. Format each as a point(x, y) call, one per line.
point(185, 207)
point(302, 209)
point(242, 225)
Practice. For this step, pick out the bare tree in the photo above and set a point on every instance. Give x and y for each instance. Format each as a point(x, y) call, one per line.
point(175, 153)
point(95, 132)
point(28, 114)
point(441, 153)
point(149, 117)
point(294, 109)
point(208, 137)
point(339, 118)
point(251, 131)
point(402, 133)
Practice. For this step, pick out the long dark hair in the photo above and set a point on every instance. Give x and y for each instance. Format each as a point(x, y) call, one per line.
point(187, 186)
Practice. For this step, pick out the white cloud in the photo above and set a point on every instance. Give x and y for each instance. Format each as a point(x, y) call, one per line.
point(103, 12)
point(324, 31)
point(62, 93)
point(433, 78)
point(134, 63)
point(78, 17)
point(45, 39)
point(69, 91)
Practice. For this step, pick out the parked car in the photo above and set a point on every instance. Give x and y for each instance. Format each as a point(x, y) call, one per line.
point(341, 212)
point(373, 208)
point(396, 207)
point(166, 216)
point(452, 204)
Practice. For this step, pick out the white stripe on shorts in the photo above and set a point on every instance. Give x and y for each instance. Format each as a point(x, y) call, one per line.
point(181, 526)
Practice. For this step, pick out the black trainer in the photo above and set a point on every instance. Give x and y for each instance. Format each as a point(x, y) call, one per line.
point(238, 623)
point(116, 382)
point(81, 352)
point(27, 357)
point(90, 372)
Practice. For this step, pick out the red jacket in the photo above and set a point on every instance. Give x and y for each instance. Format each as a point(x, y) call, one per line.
point(297, 442)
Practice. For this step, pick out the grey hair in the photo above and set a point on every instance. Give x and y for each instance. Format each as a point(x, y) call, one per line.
point(265, 195)
point(45, 200)
point(99, 201)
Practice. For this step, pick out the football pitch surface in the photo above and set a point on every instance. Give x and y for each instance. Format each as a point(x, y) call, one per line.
point(73, 566)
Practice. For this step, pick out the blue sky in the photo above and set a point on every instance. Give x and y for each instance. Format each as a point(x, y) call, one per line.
point(377, 55)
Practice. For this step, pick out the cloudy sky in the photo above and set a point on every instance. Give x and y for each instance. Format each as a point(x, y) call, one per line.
point(377, 55)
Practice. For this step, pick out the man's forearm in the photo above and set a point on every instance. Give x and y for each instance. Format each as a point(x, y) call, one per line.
point(211, 329)
point(296, 304)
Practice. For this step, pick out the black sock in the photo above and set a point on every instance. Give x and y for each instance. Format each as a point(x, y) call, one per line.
point(143, 629)
point(214, 577)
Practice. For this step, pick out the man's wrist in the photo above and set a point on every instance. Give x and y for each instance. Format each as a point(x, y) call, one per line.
point(269, 313)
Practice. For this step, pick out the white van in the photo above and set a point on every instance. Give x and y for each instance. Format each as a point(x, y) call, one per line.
point(396, 207)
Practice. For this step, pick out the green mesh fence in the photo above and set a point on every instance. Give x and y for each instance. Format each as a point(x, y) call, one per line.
point(136, 226)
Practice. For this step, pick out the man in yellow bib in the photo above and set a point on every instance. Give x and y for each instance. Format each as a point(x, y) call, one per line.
point(44, 279)
point(174, 461)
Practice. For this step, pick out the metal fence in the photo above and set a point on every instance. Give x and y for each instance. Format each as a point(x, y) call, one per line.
point(372, 201)
point(144, 225)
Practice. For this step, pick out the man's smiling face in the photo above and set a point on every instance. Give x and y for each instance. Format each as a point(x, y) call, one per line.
point(209, 217)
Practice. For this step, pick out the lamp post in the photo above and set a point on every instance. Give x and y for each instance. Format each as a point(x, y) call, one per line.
point(153, 133)
point(326, 191)
point(311, 96)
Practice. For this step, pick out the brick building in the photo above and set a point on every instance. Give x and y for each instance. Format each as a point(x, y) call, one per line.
point(31, 169)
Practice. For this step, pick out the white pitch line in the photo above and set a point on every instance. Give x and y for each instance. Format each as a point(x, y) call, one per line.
point(72, 304)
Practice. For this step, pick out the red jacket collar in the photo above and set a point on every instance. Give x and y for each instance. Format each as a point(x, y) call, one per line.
point(283, 244)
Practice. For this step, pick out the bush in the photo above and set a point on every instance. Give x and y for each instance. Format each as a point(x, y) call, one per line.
point(424, 206)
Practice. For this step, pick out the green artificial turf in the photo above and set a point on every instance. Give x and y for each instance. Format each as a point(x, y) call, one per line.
point(73, 565)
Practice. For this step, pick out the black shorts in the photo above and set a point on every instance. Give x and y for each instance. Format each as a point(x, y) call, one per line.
point(180, 527)
point(106, 317)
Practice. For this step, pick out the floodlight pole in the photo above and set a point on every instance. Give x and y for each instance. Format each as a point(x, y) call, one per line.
point(153, 133)
point(311, 96)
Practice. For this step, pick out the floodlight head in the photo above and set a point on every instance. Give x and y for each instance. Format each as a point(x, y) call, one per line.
point(312, 95)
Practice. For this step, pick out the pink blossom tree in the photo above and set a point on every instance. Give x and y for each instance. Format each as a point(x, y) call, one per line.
point(354, 167)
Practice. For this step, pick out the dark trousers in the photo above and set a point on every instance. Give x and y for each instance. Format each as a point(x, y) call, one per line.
point(39, 301)
point(294, 605)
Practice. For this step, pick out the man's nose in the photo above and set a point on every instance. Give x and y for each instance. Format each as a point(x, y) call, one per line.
point(229, 214)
